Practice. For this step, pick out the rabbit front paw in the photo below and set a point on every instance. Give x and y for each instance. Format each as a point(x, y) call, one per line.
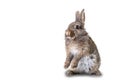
point(66, 65)
point(73, 65)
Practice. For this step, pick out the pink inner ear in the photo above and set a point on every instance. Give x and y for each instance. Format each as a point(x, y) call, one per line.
point(82, 16)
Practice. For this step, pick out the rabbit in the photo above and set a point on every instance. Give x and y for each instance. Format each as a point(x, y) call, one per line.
point(82, 55)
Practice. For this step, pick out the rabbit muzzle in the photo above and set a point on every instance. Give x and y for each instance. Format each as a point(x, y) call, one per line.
point(69, 34)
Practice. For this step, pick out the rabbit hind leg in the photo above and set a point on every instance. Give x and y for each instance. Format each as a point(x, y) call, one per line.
point(96, 73)
point(71, 72)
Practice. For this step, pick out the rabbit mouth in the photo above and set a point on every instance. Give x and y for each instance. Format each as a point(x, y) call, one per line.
point(69, 34)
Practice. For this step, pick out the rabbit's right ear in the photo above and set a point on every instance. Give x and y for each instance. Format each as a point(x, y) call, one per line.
point(82, 16)
point(77, 16)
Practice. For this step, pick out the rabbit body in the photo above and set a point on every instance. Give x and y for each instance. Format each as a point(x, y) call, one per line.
point(90, 60)
point(82, 53)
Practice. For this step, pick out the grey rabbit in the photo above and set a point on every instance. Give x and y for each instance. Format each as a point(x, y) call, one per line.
point(82, 55)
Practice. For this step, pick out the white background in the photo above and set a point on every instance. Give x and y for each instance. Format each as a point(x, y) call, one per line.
point(32, 37)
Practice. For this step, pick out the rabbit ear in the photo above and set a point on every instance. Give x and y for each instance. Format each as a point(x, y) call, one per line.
point(82, 16)
point(77, 16)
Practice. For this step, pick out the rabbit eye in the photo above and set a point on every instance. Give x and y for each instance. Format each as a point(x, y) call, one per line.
point(78, 27)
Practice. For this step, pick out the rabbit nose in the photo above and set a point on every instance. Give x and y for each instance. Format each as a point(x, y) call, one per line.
point(70, 33)
point(67, 33)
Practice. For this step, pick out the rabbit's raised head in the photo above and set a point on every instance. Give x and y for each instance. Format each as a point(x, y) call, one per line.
point(76, 28)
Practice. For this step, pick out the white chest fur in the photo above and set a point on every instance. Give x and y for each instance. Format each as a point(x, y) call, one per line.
point(74, 50)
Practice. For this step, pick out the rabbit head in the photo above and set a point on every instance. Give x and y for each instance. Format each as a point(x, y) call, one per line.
point(76, 28)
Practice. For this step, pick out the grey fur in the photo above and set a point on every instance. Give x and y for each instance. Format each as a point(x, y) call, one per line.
point(79, 43)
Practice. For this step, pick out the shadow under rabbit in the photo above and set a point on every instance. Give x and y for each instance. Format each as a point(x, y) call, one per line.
point(83, 75)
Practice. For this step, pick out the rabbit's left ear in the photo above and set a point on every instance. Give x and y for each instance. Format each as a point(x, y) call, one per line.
point(82, 16)
point(77, 16)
